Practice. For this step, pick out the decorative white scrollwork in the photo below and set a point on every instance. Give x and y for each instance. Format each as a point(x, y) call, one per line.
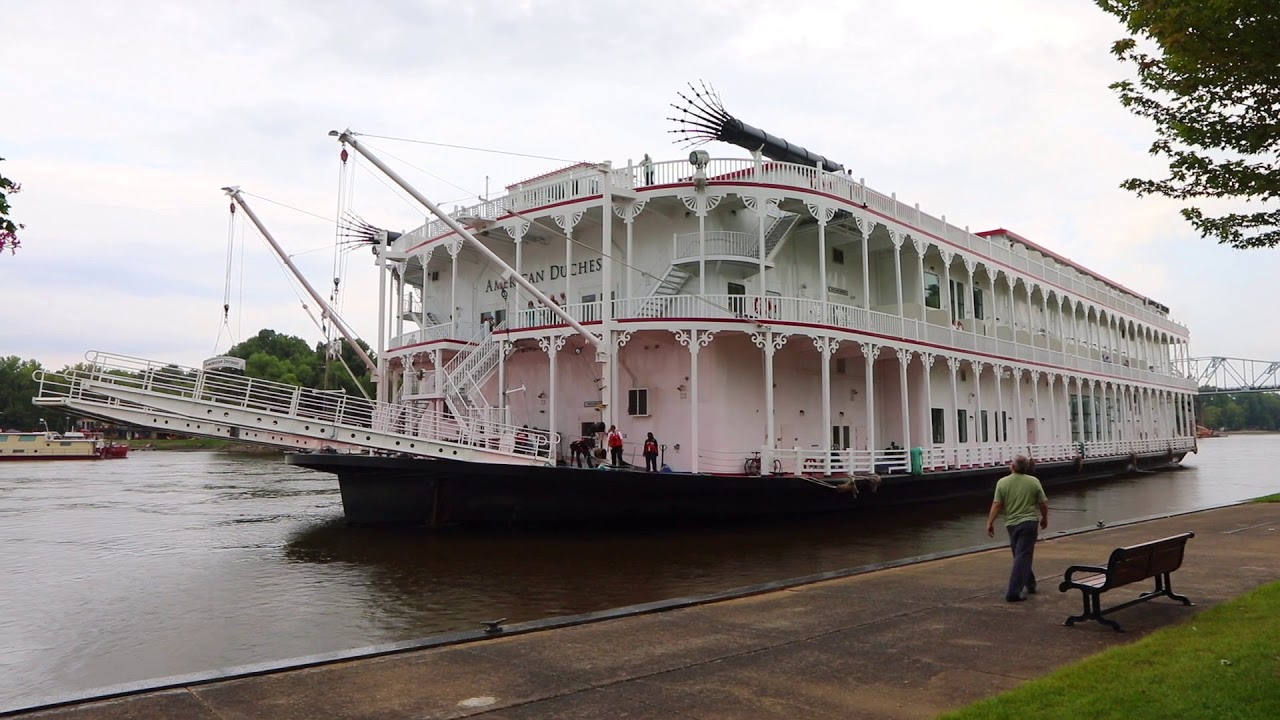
point(953, 364)
point(865, 224)
point(947, 256)
point(424, 256)
point(769, 342)
point(928, 358)
point(517, 229)
point(567, 221)
point(826, 345)
point(621, 339)
point(553, 344)
point(701, 203)
point(970, 265)
point(760, 204)
point(904, 356)
point(454, 246)
point(821, 213)
point(921, 245)
point(869, 351)
point(629, 211)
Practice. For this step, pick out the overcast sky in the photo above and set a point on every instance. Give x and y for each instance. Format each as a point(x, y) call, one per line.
point(123, 119)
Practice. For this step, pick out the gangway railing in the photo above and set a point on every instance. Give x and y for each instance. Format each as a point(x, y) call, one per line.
point(255, 404)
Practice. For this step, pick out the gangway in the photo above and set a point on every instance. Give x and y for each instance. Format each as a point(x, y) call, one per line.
point(1217, 375)
point(217, 404)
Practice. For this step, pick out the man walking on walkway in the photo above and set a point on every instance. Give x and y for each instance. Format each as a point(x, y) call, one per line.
point(1020, 497)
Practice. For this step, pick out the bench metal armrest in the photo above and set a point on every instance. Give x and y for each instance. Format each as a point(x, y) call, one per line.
point(1081, 568)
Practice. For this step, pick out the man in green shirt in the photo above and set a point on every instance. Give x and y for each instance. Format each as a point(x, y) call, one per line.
point(1021, 498)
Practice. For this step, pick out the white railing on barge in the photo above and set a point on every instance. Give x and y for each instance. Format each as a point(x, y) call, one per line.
point(582, 183)
point(261, 404)
point(813, 462)
point(806, 311)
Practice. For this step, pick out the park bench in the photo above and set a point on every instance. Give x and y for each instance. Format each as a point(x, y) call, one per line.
point(1156, 559)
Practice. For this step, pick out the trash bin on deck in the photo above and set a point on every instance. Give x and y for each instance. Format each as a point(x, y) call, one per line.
point(917, 461)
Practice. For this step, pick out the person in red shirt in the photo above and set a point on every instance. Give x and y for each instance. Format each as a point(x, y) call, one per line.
point(651, 453)
point(615, 446)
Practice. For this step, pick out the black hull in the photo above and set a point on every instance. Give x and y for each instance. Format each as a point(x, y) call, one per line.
point(443, 493)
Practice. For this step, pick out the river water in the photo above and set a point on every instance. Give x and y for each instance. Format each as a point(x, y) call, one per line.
point(168, 563)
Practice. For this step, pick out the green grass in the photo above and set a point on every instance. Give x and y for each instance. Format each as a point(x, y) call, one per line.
point(1224, 663)
point(1269, 498)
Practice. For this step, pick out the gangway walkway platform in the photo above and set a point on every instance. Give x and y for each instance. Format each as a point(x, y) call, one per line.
point(219, 404)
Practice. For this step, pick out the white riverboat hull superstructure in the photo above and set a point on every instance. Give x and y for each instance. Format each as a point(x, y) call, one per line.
point(794, 340)
point(866, 328)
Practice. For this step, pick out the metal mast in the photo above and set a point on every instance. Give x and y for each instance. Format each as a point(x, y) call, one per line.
point(234, 192)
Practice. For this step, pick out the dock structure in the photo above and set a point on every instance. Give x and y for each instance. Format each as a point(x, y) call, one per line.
point(904, 640)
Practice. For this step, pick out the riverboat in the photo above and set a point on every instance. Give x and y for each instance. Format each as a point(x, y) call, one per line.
point(795, 340)
point(46, 445)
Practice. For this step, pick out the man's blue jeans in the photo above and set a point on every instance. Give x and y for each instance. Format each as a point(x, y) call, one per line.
point(1022, 540)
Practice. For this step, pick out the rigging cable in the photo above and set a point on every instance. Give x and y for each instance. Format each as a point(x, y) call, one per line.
point(226, 285)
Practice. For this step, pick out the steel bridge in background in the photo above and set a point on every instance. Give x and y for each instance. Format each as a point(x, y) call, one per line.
point(1224, 375)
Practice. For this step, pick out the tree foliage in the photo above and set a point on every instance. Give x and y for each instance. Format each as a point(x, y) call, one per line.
point(1208, 75)
point(8, 228)
point(17, 387)
point(1243, 411)
point(270, 355)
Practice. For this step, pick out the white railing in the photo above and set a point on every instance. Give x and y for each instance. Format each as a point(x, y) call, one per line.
point(724, 243)
point(581, 183)
point(326, 408)
point(443, 331)
point(856, 319)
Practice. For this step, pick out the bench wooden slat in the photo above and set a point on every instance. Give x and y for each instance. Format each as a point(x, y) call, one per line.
point(1127, 565)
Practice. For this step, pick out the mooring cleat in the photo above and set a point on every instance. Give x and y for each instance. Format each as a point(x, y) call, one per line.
point(493, 626)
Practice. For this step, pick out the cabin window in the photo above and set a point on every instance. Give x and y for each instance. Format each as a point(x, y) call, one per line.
point(962, 426)
point(1004, 431)
point(932, 291)
point(837, 256)
point(986, 436)
point(957, 300)
point(939, 421)
point(27, 438)
point(638, 402)
point(435, 276)
point(978, 312)
point(840, 366)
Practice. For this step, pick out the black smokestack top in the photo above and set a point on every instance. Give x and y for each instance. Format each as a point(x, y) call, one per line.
point(703, 119)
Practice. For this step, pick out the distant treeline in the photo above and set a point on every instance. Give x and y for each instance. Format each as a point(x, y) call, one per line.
point(1242, 411)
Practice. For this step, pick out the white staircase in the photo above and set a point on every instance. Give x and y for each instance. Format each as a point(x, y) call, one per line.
point(777, 231)
point(670, 284)
point(465, 374)
point(216, 404)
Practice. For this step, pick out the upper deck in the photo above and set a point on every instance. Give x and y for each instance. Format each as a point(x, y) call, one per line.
point(1007, 252)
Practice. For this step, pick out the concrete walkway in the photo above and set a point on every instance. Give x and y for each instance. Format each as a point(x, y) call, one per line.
point(906, 642)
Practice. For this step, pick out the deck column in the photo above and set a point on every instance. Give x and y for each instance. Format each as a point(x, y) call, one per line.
point(827, 346)
point(1001, 434)
point(927, 359)
point(552, 346)
point(896, 238)
point(867, 226)
point(454, 247)
point(1052, 408)
point(1019, 421)
point(1035, 407)
point(953, 364)
point(904, 359)
point(921, 249)
point(869, 352)
point(695, 340)
point(770, 342)
point(978, 425)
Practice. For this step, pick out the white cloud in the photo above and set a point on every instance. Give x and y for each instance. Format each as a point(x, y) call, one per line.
point(125, 119)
